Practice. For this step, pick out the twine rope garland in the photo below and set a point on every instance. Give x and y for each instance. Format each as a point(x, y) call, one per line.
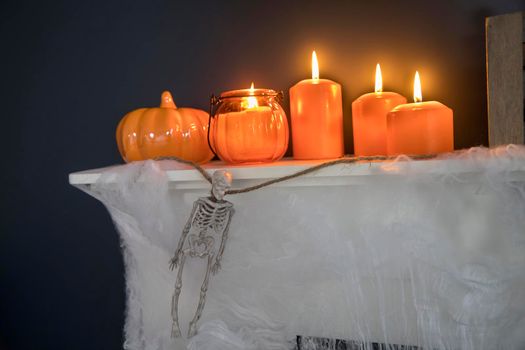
point(344, 160)
point(197, 167)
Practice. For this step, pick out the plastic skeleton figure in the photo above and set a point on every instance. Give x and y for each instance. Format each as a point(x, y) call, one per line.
point(209, 220)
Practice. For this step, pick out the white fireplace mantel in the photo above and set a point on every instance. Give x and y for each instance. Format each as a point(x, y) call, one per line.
point(426, 253)
point(185, 177)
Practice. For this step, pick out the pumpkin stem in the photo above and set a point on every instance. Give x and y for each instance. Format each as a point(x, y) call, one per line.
point(166, 100)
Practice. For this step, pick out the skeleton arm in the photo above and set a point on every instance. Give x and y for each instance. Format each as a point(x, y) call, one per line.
point(216, 267)
point(174, 262)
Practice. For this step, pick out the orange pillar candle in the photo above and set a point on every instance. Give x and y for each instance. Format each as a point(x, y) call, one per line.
point(420, 127)
point(369, 118)
point(317, 117)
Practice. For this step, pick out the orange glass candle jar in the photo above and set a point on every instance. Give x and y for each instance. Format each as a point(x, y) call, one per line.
point(248, 126)
point(316, 109)
point(420, 127)
point(369, 118)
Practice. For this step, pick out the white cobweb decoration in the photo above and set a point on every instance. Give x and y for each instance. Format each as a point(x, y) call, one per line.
point(433, 258)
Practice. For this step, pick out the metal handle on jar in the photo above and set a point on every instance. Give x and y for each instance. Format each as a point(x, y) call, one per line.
point(214, 101)
point(280, 97)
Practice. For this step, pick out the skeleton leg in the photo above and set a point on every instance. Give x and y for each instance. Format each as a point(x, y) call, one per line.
point(202, 300)
point(175, 329)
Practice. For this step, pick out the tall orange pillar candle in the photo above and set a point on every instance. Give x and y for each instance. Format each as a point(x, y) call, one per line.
point(317, 117)
point(369, 118)
point(420, 127)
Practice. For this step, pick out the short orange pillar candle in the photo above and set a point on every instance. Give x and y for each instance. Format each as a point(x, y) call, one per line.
point(369, 118)
point(316, 109)
point(420, 127)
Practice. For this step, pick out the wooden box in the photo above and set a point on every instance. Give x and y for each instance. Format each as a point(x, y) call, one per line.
point(505, 37)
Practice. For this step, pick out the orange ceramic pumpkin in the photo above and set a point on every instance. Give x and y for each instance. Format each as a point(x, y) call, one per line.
point(148, 133)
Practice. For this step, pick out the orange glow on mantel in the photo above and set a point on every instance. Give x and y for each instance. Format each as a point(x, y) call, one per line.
point(379, 79)
point(315, 66)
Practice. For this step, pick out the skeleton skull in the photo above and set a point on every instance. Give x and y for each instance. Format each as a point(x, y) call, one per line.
point(221, 182)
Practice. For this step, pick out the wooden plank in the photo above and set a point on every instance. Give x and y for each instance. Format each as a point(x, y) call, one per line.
point(505, 78)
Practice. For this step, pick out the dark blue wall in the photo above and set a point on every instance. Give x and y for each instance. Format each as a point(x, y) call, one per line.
point(71, 69)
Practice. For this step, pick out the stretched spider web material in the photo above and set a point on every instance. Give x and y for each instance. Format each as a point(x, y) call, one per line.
point(407, 255)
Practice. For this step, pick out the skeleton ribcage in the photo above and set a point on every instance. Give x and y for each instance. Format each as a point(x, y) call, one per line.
point(211, 215)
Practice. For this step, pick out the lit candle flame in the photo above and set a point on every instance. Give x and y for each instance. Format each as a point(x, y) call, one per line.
point(315, 66)
point(418, 97)
point(252, 101)
point(379, 79)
